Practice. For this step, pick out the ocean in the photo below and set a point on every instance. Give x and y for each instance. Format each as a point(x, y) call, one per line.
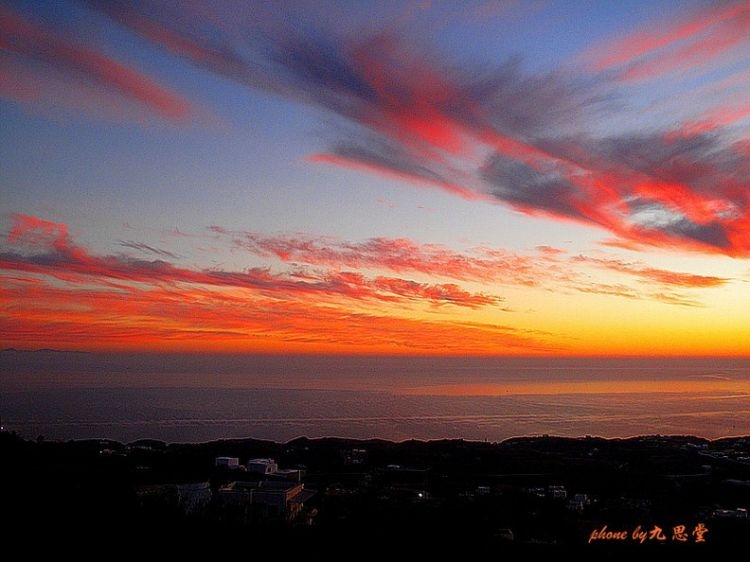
point(194, 398)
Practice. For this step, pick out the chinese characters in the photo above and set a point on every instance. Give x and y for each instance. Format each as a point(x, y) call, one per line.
point(679, 533)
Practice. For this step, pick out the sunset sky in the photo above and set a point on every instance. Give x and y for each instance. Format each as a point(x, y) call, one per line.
point(463, 178)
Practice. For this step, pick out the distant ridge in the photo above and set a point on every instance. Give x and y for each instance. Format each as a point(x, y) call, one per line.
point(546, 442)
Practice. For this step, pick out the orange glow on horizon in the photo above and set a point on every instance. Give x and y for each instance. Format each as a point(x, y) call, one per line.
point(540, 304)
point(732, 387)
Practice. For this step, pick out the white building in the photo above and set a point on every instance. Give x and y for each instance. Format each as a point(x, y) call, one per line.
point(558, 492)
point(579, 502)
point(262, 466)
point(738, 513)
point(292, 474)
point(227, 462)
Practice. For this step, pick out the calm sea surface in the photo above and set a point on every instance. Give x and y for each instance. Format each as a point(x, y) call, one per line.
point(198, 398)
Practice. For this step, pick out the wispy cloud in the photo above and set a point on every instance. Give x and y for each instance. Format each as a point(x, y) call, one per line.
point(141, 247)
point(661, 276)
point(189, 318)
point(396, 254)
point(55, 254)
point(333, 294)
point(55, 60)
point(676, 298)
point(54, 288)
point(678, 188)
point(613, 290)
point(478, 132)
point(693, 41)
point(44, 247)
point(479, 264)
point(620, 290)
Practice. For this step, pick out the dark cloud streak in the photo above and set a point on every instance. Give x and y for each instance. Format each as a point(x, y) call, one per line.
point(141, 247)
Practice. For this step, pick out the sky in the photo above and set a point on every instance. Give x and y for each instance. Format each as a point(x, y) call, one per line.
point(555, 178)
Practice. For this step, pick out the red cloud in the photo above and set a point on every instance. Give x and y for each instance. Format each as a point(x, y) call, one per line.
point(398, 255)
point(550, 267)
point(415, 115)
point(55, 55)
point(722, 117)
point(549, 251)
point(62, 259)
point(722, 18)
point(695, 185)
point(437, 294)
point(579, 183)
point(56, 291)
point(112, 302)
point(187, 319)
point(501, 134)
point(40, 234)
point(695, 55)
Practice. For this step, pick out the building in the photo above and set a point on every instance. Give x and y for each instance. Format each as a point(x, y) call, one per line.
point(227, 462)
point(273, 498)
point(504, 534)
point(193, 496)
point(262, 466)
point(579, 502)
point(292, 474)
point(537, 491)
point(557, 492)
point(149, 494)
point(188, 497)
point(280, 499)
point(738, 513)
point(235, 494)
point(483, 490)
point(354, 456)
